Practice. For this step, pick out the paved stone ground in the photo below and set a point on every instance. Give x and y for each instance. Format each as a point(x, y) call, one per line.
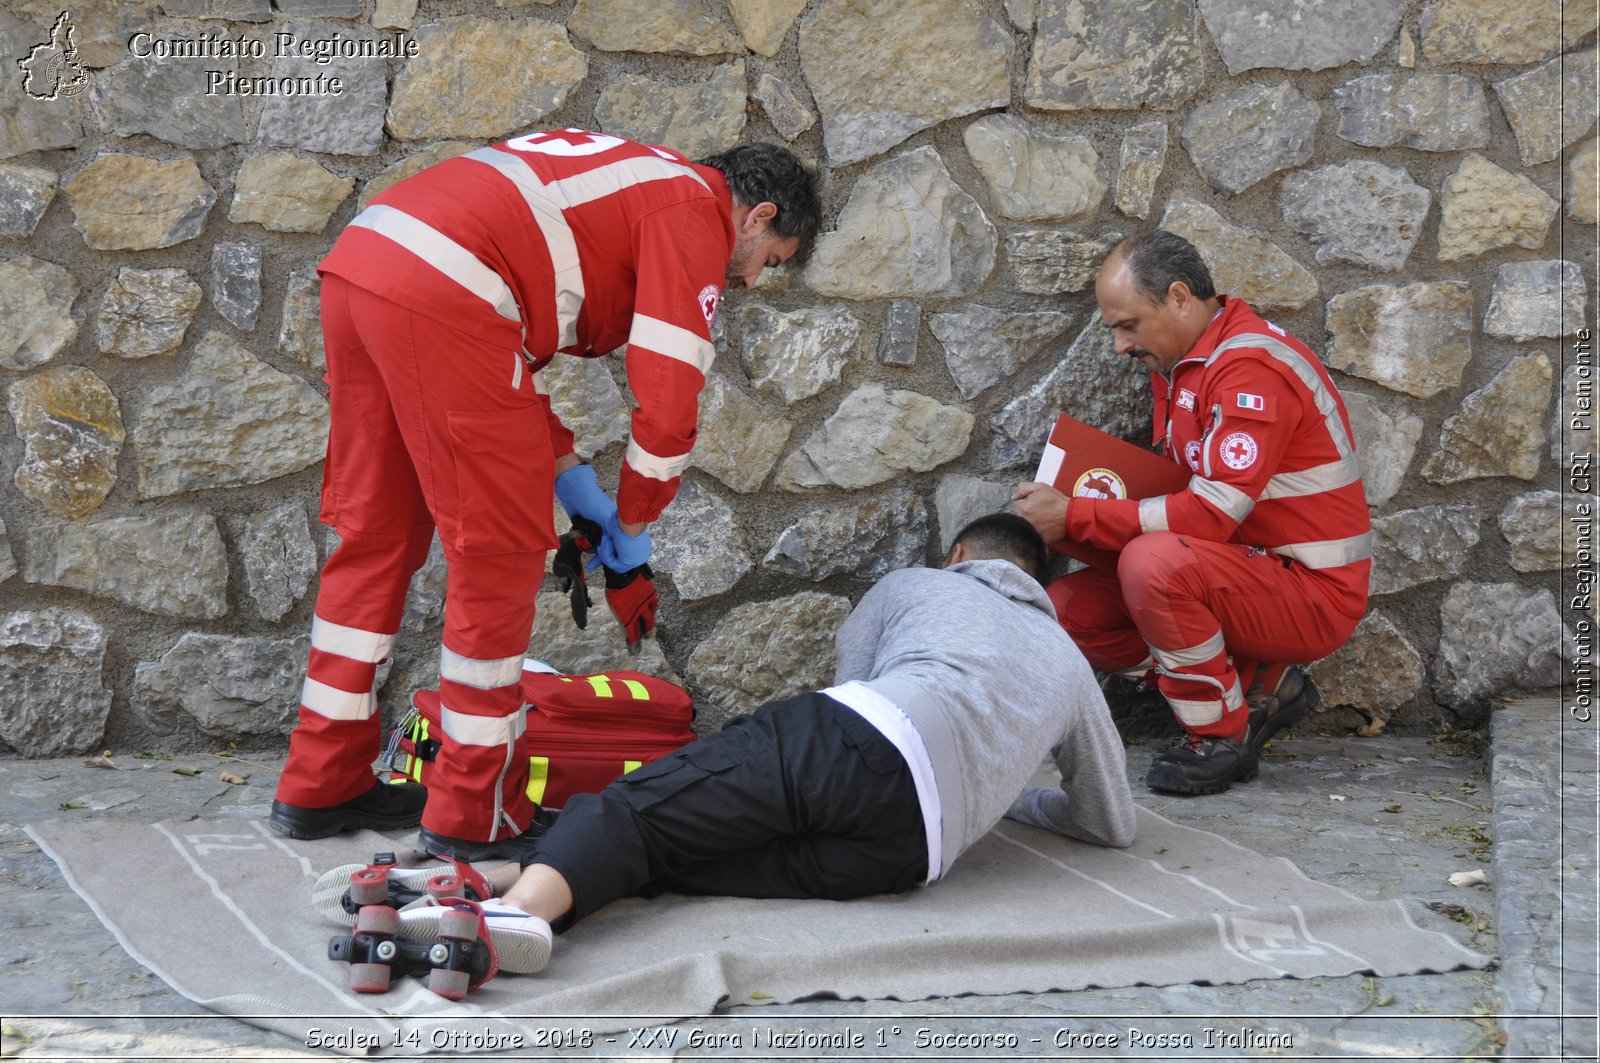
point(1384, 817)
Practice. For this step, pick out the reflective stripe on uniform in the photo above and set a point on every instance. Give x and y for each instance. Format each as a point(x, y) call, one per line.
point(639, 691)
point(654, 466)
point(1153, 514)
point(1313, 481)
point(538, 778)
point(370, 647)
point(601, 685)
point(1329, 553)
point(468, 730)
point(337, 704)
point(674, 341)
point(1227, 498)
point(629, 765)
point(545, 205)
point(443, 254)
point(613, 177)
point(1195, 713)
point(484, 675)
point(1198, 654)
point(1298, 365)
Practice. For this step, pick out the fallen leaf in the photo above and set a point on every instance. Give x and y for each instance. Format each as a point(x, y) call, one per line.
point(1474, 877)
point(1372, 728)
point(68, 806)
point(190, 772)
point(230, 777)
point(1393, 808)
point(759, 995)
point(101, 761)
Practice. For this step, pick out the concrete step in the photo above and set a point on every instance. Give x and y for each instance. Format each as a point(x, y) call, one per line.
point(1544, 768)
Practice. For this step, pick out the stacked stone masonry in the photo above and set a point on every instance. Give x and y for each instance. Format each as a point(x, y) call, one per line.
point(1407, 185)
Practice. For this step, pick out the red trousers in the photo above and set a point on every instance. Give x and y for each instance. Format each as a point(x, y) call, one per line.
point(1209, 617)
point(431, 428)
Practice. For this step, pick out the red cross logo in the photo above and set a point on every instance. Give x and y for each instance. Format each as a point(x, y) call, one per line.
point(1238, 451)
point(565, 142)
point(575, 137)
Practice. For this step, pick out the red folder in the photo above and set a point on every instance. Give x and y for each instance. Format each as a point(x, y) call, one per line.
point(1082, 461)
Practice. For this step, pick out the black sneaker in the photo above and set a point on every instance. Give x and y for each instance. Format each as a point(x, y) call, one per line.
point(1201, 764)
point(387, 806)
point(1286, 706)
point(518, 847)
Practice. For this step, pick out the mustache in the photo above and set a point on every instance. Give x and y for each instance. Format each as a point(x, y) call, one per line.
point(1139, 352)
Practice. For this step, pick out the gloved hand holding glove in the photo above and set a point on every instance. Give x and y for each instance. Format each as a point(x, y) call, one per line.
point(620, 551)
point(630, 590)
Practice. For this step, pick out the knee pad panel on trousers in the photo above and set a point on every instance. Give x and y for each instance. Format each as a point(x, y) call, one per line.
point(1156, 567)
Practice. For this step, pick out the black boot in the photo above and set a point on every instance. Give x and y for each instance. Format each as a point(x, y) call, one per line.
point(518, 847)
point(387, 806)
point(1286, 706)
point(1201, 764)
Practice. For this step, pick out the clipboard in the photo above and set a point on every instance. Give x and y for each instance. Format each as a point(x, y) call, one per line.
point(1081, 461)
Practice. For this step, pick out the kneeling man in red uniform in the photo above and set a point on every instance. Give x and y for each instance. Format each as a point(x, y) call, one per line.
point(1261, 563)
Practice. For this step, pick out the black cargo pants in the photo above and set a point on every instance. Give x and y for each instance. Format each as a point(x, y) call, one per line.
point(803, 798)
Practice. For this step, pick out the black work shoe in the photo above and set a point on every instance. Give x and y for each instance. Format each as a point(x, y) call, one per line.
point(518, 847)
point(1270, 713)
point(1201, 764)
point(387, 806)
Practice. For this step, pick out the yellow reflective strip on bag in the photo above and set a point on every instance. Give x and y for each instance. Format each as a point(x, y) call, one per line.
point(629, 765)
point(639, 691)
point(538, 777)
point(602, 686)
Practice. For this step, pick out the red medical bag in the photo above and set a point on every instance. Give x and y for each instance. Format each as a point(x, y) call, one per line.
point(583, 730)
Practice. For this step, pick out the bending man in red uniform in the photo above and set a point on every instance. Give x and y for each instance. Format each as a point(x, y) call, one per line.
point(1263, 560)
point(441, 304)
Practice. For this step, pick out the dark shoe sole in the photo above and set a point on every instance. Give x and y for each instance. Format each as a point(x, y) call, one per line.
point(518, 848)
point(359, 813)
point(1286, 716)
point(309, 824)
point(1164, 782)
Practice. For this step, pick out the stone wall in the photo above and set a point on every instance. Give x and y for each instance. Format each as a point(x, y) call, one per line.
point(1410, 187)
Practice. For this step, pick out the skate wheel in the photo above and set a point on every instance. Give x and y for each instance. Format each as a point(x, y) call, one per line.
point(459, 923)
point(339, 949)
point(377, 919)
point(452, 985)
point(369, 886)
point(446, 886)
point(369, 977)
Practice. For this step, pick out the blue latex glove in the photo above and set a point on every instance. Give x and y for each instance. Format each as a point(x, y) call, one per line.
point(619, 551)
point(580, 495)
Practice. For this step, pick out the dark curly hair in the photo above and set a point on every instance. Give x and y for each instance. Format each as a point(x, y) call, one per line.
point(768, 173)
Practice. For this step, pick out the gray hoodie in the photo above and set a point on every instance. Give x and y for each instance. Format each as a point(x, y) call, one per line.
point(973, 655)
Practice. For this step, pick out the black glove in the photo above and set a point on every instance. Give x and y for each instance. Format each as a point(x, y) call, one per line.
point(568, 566)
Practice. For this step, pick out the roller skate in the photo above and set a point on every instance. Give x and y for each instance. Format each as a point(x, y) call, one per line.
point(521, 941)
point(341, 893)
point(457, 956)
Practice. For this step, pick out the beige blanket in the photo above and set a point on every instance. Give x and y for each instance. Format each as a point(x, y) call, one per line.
point(220, 909)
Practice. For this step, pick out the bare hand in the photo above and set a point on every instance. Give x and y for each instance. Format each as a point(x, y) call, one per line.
point(1044, 507)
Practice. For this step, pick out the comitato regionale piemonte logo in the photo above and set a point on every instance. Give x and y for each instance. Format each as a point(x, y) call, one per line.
point(51, 69)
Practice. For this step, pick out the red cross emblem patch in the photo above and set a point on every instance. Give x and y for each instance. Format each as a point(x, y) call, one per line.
point(1238, 451)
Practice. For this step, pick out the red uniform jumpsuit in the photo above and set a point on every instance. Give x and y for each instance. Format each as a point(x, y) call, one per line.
point(1262, 560)
point(442, 301)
